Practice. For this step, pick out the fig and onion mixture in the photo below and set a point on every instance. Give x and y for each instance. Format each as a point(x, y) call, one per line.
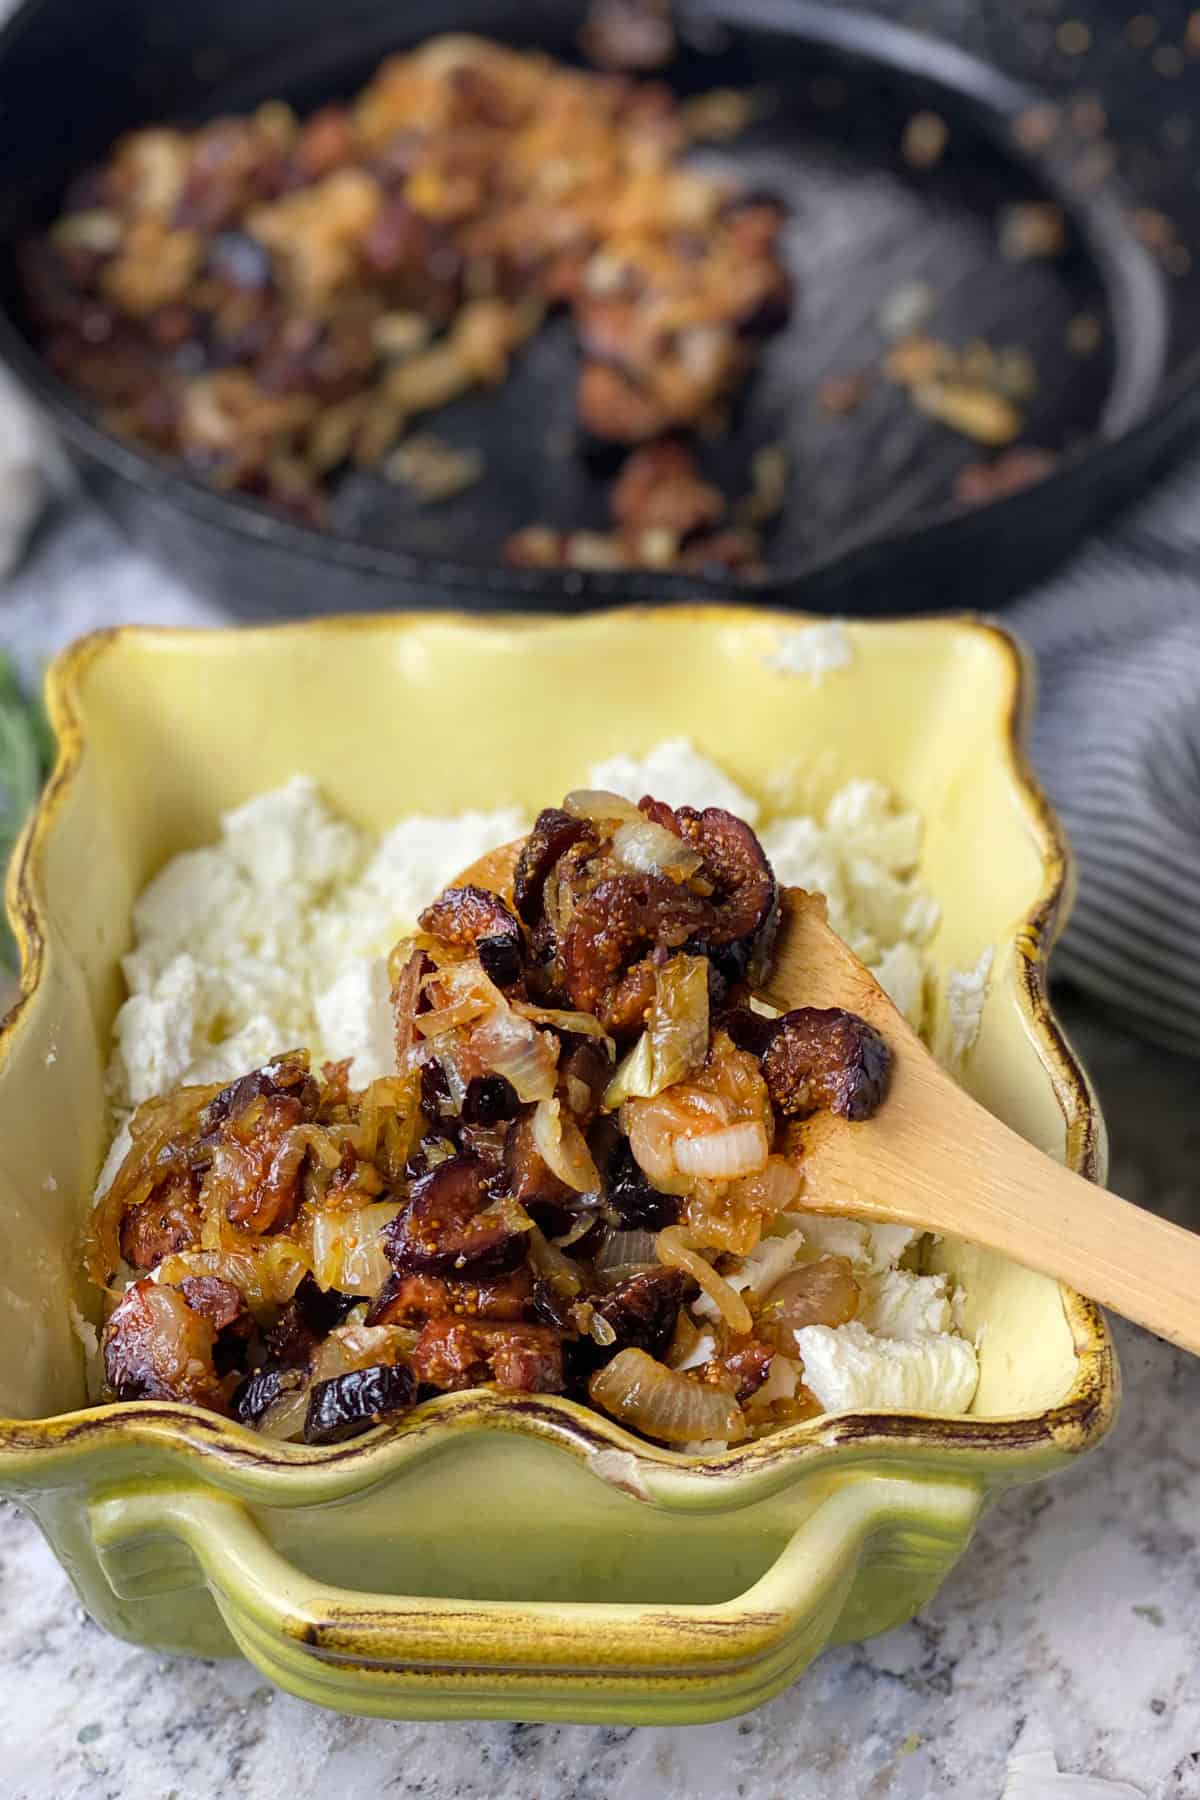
point(582, 1128)
point(271, 299)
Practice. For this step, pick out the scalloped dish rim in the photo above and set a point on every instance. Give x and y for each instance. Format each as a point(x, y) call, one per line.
point(241, 1461)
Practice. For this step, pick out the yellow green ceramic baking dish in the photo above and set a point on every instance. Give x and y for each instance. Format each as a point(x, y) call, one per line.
point(519, 1556)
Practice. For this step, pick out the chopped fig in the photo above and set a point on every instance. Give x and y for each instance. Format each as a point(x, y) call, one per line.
point(445, 1230)
point(159, 1346)
point(528, 1177)
point(642, 1310)
point(308, 1316)
point(408, 1299)
point(489, 1100)
point(351, 1403)
point(474, 918)
point(260, 1390)
point(627, 1187)
point(168, 1222)
point(825, 1057)
point(450, 1353)
point(749, 1030)
point(742, 935)
point(621, 918)
point(285, 1076)
point(554, 832)
point(747, 1367)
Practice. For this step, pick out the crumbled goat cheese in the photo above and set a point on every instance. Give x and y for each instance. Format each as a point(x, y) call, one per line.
point(871, 1248)
point(862, 857)
point(409, 866)
point(896, 1303)
point(901, 974)
point(271, 938)
point(966, 992)
point(354, 1018)
point(118, 1150)
point(676, 772)
point(758, 1271)
point(849, 1369)
point(812, 650)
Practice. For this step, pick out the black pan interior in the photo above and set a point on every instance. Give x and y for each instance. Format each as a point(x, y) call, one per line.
point(864, 227)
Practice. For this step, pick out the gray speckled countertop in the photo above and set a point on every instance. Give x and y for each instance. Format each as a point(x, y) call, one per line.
point(1072, 1620)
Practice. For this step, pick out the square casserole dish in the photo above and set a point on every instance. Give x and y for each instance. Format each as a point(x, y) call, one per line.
point(519, 1556)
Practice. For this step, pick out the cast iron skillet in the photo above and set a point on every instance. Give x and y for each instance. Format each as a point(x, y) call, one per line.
point(867, 527)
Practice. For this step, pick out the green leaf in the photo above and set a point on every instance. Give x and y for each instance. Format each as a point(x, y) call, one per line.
point(23, 763)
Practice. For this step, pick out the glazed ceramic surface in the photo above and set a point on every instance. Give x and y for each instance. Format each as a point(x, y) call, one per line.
point(520, 1556)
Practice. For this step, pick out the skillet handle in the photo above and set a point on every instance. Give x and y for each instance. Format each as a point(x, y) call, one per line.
point(862, 1561)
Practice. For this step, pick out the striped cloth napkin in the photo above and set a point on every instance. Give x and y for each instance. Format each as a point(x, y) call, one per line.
point(1117, 745)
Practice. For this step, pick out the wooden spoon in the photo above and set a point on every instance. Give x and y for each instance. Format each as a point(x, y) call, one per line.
point(933, 1158)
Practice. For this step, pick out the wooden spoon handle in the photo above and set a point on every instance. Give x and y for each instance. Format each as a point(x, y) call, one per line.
point(1141, 1266)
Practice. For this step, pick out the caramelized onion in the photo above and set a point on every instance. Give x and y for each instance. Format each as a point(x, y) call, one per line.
point(732, 1215)
point(580, 1023)
point(822, 1293)
point(268, 1277)
point(347, 1247)
point(676, 1252)
point(559, 1270)
point(624, 1253)
point(284, 1418)
point(511, 1046)
point(602, 807)
point(664, 1404)
point(649, 849)
point(724, 1155)
point(652, 1127)
point(156, 1129)
point(406, 994)
point(675, 1041)
point(563, 1147)
point(458, 993)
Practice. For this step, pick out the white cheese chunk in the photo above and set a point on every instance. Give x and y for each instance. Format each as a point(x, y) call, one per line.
point(901, 974)
point(676, 772)
point(154, 1032)
point(896, 1303)
point(409, 867)
point(354, 1018)
point(264, 941)
point(287, 841)
point(869, 1247)
point(813, 650)
point(849, 1369)
point(966, 992)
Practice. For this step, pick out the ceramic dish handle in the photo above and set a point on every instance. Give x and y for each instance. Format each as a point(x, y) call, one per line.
point(868, 1554)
